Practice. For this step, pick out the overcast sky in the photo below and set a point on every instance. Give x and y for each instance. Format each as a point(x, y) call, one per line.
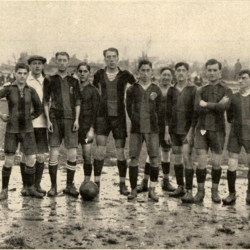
point(179, 30)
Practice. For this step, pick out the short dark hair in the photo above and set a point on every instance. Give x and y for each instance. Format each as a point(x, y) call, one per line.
point(179, 64)
point(62, 53)
point(111, 49)
point(244, 71)
point(144, 62)
point(212, 62)
point(21, 66)
point(167, 68)
point(83, 64)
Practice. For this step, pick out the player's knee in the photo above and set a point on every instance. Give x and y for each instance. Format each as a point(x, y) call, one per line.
point(134, 161)
point(87, 157)
point(165, 156)
point(40, 158)
point(9, 161)
point(120, 154)
point(232, 164)
point(100, 152)
point(71, 154)
point(30, 160)
point(54, 153)
point(154, 162)
point(202, 161)
point(178, 159)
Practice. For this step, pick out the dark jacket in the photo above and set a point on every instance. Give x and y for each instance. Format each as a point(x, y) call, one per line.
point(212, 117)
point(134, 96)
point(99, 82)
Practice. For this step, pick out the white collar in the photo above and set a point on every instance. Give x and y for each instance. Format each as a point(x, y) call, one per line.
point(39, 79)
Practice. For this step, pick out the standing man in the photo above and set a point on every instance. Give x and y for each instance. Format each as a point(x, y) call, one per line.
point(35, 80)
point(212, 101)
point(180, 125)
point(21, 98)
point(111, 82)
point(166, 78)
point(62, 121)
point(237, 68)
point(143, 104)
point(90, 100)
point(238, 115)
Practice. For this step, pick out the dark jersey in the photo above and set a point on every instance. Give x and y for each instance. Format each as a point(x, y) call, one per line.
point(180, 115)
point(64, 94)
point(143, 107)
point(20, 104)
point(238, 115)
point(90, 100)
point(212, 117)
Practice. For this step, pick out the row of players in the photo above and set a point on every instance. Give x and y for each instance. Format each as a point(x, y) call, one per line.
point(178, 116)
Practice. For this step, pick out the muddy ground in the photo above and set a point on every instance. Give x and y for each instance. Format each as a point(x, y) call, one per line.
point(113, 222)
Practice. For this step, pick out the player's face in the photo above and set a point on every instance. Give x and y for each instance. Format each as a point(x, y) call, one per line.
point(213, 72)
point(166, 77)
point(36, 67)
point(21, 76)
point(83, 74)
point(145, 73)
point(244, 81)
point(62, 63)
point(111, 59)
point(181, 73)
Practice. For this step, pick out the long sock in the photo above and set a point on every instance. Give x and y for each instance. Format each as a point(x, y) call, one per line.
point(189, 174)
point(6, 172)
point(39, 172)
point(87, 168)
point(133, 174)
point(147, 169)
point(179, 174)
point(248, 177)
point(201, 175)
point(22, 169)
point(216, 174)
point(154, 173)
point(231, 178)
point(122, 168)
point(165, 167)
point(71, 169)
point(30, 175)
point(98, 165)
point(53, 172)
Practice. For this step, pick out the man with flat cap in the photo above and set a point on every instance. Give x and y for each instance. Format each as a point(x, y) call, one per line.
point(35, 80)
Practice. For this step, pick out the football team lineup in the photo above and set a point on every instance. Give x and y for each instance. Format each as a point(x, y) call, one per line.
point(173, 115)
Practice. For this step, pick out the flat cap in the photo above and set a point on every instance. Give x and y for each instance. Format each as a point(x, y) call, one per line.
point(35, 57)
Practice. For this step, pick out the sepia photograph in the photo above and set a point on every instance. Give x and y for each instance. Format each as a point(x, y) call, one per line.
point(125, 124)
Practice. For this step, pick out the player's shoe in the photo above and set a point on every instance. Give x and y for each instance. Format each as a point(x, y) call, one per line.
point(4, 194)
point(199, 195)
point(52, 192)
point(167, 186)
point(215, 195)
point(133, 194)
point(152, 195)
point(123, 189)
point(33, 193)
point(143, 187)
point(179, 192)
point(230, 199)
point(71, 190)
point(25, 191)
point(188, 197)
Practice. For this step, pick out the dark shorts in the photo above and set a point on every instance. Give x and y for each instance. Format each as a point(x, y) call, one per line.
point(178, 140)
point(211, 139)
point(164, 145)
point(234, 144)
point(82, 134)
point(136, 141)
point(115, 124)
point(27, 141)
point(62, 129)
